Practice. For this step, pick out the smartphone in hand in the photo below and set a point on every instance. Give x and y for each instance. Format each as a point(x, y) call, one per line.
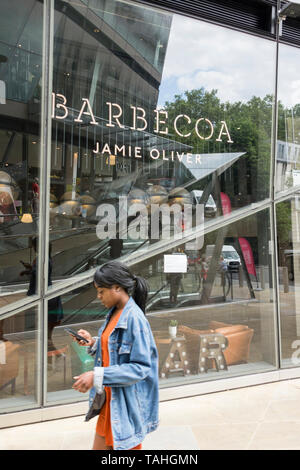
point(76, 335)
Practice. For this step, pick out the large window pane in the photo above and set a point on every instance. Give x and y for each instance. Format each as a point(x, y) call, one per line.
point(20, 368)
point(288, 242)
point(77, 309)
point(222, 302)
point(20, 110)
point(225, 298)
point(288, 137)
point(150, 108)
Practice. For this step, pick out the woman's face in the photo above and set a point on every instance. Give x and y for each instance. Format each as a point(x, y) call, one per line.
point(108, 296)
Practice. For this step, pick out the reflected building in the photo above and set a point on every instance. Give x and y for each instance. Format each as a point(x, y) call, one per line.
point(133, 132)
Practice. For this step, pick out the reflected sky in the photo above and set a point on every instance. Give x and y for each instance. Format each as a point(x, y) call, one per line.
point(199, 55)
point(289, 75)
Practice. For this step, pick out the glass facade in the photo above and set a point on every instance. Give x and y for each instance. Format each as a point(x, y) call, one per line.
point(21, 40)
point(287, 214)
point(160, 153)
point(288, 142)
point(20, 365)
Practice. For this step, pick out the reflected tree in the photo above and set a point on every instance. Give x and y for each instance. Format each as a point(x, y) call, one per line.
point(250, 127)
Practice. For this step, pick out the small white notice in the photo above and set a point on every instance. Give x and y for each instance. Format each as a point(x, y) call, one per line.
point(296, 177)
point(176, 263)
point(2, 92)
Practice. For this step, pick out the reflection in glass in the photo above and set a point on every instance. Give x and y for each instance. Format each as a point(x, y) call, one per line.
point(77, 309)
point(288, 136)
point(20, 108)
point(232, 271)
point(18, 360)
point(140, 119)
point(287, 218)
point(220, 294)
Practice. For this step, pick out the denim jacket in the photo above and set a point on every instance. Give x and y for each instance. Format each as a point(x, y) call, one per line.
point(132, 376)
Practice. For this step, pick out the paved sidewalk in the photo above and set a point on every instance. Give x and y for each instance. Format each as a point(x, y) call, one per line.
point(259, 417)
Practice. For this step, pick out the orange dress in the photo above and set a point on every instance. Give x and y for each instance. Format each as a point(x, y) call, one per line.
point(103, 427)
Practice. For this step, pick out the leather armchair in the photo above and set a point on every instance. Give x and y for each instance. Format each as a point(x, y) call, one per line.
point(239, 340)
point(10, 369)
point(238, 336)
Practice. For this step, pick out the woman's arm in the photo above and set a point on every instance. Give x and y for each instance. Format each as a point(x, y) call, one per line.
point(126, 374)
point(136, 369)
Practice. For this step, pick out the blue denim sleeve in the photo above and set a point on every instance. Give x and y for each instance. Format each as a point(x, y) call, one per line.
point(139, 364)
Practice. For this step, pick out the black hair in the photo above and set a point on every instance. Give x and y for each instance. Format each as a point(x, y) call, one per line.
point(116, 273)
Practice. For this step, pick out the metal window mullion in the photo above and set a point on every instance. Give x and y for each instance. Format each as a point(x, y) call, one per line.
point(46, 145)
point(273, 173)
point(134, 258)
point(289, 43)
point(282, 196)
point(276, 286)
point(19, 309)
point(44, 351)
point(64, 287)
point(39, 355)
point(48, 28)
point(274, 122)
point(18, 305)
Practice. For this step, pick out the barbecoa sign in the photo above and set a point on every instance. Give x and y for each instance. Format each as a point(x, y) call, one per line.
point(140, 120)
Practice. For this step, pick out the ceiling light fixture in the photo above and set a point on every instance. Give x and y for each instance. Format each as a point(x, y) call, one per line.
point(26, 219)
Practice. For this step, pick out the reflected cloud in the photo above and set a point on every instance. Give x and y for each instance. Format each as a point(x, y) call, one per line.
point(197, 56)
point(288, 79)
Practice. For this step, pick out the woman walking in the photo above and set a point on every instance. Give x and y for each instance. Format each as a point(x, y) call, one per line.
point(126, 363)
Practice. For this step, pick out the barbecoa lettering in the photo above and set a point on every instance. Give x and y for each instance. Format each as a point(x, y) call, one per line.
point(140, 120)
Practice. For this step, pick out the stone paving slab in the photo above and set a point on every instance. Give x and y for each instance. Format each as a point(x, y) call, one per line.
point(260, 417)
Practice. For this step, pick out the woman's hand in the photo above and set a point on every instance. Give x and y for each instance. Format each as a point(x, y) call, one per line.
point(87, 336)
point(84, 381)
